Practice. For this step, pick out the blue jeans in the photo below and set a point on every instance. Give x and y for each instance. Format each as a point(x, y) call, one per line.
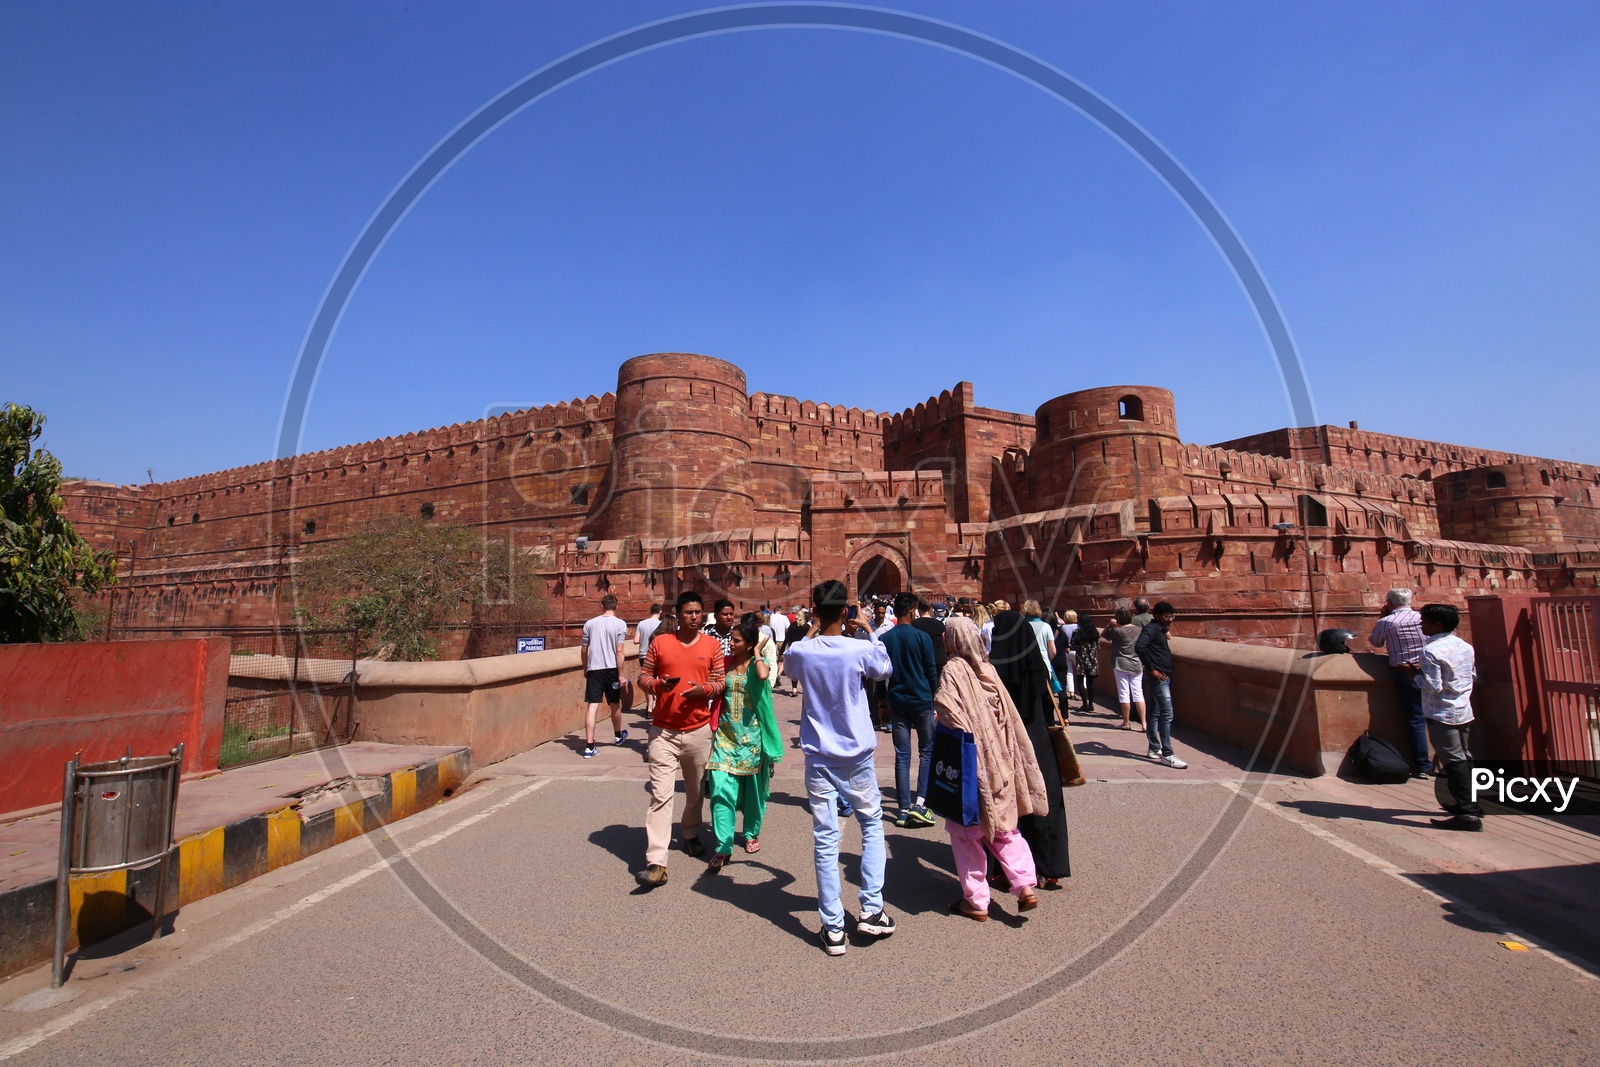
point(1158, 714)
point(1405, 684)
point(903, 722)
point(859, 785)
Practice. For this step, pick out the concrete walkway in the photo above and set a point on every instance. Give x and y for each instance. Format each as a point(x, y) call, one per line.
point(504, 927)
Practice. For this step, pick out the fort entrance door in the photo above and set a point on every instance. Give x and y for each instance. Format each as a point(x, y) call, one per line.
point(878, 576)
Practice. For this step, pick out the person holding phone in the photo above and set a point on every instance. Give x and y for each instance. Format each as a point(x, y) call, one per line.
point(837, 738)
point(684, 671)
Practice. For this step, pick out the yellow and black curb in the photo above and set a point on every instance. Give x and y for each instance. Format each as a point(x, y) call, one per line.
point(209, 862)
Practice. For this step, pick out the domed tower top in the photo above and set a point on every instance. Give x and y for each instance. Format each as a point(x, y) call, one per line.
point(680, 460)
point(1114, 443)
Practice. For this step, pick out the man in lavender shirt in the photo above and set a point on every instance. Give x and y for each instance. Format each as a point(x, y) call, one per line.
point(838, 739)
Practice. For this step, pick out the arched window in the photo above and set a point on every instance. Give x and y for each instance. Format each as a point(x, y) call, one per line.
point(1130, 408)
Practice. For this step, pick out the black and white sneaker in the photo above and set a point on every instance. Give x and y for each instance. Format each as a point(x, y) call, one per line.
point(876, 925)
point(588, 752)
point(622, 737)
point(833, 942)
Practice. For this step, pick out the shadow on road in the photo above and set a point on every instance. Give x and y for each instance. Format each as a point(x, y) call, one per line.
point(1327, 809)
point(1545, 902)
point(769, 899)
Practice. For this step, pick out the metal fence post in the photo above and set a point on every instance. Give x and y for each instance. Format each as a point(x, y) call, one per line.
point(58, 963)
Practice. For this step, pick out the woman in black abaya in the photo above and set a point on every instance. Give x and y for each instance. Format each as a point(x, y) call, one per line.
point(1016, 658)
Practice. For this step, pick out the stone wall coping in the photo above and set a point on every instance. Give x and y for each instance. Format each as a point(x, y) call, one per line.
point(431, 674)
point(1356, 669)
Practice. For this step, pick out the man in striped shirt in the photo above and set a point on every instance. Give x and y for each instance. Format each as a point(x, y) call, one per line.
point(1399, 632)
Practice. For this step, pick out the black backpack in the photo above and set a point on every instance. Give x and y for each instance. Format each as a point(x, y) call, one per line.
point(1377, 762)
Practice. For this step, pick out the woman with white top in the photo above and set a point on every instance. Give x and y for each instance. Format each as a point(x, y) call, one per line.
point(1127, 667)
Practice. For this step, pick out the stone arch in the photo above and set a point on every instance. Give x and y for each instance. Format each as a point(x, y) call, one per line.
point(876, 569)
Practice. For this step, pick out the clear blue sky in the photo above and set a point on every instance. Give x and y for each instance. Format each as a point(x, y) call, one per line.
point(849, 218)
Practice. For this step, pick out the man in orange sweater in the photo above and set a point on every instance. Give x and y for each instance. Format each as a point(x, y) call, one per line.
point(684, 671)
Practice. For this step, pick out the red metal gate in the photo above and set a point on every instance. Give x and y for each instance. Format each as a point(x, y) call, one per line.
point(1566, 637)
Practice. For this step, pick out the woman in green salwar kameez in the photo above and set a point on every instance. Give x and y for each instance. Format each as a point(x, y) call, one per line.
point(746, 743)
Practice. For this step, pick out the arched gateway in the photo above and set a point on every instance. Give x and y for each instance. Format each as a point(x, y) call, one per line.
point(878, 576)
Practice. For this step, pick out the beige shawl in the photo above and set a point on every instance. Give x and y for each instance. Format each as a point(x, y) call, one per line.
point(972, 698)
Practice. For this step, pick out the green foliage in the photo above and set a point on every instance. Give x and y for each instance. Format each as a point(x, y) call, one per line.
point(46, 568)
point(401, 579)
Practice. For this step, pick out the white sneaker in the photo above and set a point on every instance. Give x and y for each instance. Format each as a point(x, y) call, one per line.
point(1174, 762)
point(1154, 755)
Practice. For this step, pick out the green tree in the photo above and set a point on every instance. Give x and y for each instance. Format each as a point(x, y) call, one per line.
point(46, 567)
point(401, 579)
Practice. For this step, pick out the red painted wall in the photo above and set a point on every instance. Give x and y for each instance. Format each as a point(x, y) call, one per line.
point(97, 699)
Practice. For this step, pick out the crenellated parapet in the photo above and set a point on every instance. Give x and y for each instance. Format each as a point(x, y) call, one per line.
point(868, 489)
point(805, 435)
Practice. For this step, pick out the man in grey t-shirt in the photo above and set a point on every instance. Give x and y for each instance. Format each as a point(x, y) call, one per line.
point(603, 636)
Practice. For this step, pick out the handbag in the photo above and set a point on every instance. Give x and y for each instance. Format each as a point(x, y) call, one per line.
point(1066, 755)
point(953, 786)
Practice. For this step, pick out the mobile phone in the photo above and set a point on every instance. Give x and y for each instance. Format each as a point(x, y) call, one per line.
point(670, 682)
point(852, 612)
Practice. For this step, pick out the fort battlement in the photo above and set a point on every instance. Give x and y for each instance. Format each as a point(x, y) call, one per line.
point(683, 478)
point(869, 489)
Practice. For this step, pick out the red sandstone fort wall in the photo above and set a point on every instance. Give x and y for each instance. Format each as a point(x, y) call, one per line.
point(1092, 499)
point(794, 439)
point(217, 546)
point(950, 434)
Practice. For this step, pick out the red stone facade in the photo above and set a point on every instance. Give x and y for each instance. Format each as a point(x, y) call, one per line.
point(684, 479)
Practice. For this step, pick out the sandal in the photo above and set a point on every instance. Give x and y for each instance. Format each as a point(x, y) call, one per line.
point(716, 863)
point(752, 845)
point(1051, 883)
point(1027, 900)
point(961, 907)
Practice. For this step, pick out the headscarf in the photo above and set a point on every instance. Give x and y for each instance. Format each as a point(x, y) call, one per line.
point(972, 698)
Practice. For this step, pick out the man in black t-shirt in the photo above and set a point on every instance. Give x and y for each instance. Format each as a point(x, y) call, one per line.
point(928, 624)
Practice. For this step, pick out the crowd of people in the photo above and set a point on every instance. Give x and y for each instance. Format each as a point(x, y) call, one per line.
point(1000, 678)
point(1005, 679)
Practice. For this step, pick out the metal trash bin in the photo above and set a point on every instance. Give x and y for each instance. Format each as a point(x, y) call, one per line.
point(116, 815)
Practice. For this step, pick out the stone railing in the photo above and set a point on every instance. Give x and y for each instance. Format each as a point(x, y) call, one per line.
point(497, 706)
point(1311, 707)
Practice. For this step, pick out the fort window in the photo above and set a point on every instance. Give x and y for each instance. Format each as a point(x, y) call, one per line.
point(171, 519)
point(195, 517)
point(1043, 425)
point(427, 511)
point(1312, 511)
point(1130, 408)
point(309, 528)
point(1496, 479)
point(580, 495)
point(1544, 476)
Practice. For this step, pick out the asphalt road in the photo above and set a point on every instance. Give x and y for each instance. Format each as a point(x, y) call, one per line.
point(511, 932)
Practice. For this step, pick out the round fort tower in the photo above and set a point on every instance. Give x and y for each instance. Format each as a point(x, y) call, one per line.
point(1116, 443)
point(1509, 504)
point(680, 460)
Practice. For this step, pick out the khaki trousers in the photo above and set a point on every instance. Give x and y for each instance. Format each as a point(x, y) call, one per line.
point(672, 753)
